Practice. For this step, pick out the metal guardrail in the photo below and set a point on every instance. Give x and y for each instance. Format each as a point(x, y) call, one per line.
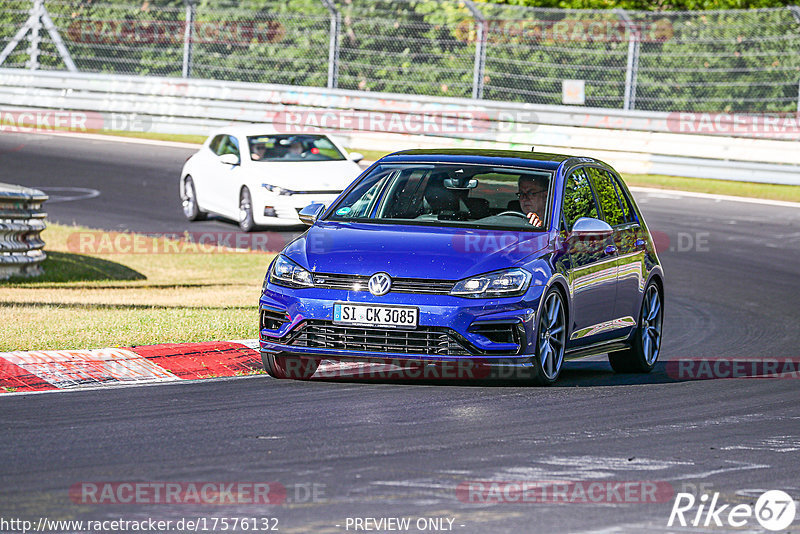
point(636, 142)
point(21, 223)
point(742, 60)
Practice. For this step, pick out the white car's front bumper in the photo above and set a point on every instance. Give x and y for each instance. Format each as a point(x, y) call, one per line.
point(285, 207)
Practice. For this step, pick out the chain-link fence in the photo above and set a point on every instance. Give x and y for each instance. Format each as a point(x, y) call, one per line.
point(744, 61)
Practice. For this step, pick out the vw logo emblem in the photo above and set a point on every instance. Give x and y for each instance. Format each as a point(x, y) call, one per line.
point(380, 284)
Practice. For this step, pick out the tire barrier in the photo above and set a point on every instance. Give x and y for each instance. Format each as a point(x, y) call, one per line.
point(22, 220)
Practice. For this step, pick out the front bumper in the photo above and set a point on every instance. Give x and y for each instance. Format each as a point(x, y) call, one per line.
point(499, 330)
point(270, 209)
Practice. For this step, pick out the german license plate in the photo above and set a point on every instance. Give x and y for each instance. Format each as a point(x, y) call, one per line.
point(372, 315)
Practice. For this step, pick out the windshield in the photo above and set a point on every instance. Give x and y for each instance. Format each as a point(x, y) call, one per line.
point(293, 148)
point(449, 195)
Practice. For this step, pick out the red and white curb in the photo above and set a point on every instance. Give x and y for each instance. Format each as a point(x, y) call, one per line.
point(26, 371)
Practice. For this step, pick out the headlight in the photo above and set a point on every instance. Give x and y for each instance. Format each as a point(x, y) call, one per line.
point(508, 283)
point(277, 190)
point(287, 273)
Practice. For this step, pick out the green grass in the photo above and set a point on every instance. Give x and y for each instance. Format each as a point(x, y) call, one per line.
point(100, 300)
point(180, 138)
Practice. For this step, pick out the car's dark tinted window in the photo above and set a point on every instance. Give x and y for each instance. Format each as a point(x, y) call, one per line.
point(439, 194)
point(627, 206)
point(607, 196)
point(578, 199)
point(293, 148)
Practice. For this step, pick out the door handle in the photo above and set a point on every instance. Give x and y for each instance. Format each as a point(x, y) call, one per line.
point(610, 249)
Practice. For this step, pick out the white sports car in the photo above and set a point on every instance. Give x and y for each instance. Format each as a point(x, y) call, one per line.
point(256, 176)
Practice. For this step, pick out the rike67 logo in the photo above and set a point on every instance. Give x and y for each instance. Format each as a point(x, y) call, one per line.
point(774, 510)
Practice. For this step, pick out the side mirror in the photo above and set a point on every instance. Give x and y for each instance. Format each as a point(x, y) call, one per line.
point(311, 213)
point(229, 159)
point(356, 156)
point(588, 226)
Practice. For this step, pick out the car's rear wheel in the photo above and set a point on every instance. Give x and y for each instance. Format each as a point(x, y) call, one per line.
point(191, 209)
point(551, 338)
point(289, 366)
point(641, 357)
point(246, 221)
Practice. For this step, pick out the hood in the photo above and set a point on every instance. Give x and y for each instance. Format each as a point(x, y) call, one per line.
point(304, 176)
point(411, 251)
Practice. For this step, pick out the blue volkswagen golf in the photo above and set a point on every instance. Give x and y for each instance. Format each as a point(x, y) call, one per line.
point(515, 260)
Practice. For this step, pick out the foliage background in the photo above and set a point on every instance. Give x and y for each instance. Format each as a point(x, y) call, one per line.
point(738, 57)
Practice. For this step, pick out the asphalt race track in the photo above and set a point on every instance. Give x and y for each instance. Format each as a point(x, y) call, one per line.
point(392, 449)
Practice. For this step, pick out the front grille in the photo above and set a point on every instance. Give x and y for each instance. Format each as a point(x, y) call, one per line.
point(423, 340)
point(356, 282)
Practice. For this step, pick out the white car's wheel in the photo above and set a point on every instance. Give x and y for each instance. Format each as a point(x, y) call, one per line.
point(191, 209)
point(246, 221)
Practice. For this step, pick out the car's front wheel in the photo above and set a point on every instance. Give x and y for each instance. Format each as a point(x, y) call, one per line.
point(246, 221)
point(551, 339)
point(191, 209)
point(646, 344)
point(286, 366)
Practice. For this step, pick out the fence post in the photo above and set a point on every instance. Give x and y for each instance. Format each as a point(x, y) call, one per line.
point(187, 39)
point(333, 46)
point(34, 38)
point(38, 17)
point(480, 50)
point(632, 68)
point(795, 11)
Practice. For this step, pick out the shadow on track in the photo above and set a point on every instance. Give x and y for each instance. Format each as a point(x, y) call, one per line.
point(574, 374)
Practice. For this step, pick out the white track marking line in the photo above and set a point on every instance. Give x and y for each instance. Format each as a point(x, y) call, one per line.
point(709, 196)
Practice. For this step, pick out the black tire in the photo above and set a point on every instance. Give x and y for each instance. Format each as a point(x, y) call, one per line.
point(191, 209)
point(246, 221)
point(288, 366)
point(642, 356)
point(551, 340)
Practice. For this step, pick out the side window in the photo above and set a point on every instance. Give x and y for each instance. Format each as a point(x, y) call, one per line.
point(607, 196)
point(627, 207)
point(229, 145)
point(578, 199)
point(214, 145)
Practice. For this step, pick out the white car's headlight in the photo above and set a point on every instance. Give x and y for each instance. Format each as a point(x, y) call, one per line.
point(277, 190)
point(508, 283)
point(287, 273)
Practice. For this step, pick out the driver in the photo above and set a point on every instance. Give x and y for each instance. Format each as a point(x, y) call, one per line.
point(295, 149)
point(533, 197)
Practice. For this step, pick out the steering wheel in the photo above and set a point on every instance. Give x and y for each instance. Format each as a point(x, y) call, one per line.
point(518, 214)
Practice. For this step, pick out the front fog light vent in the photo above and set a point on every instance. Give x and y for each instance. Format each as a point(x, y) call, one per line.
point(497, 332)
point(273, 319)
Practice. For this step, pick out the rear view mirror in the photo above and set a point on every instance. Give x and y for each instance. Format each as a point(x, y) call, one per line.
point(229, 159)
point(356, 156)
point(589, 226)
point(311, 213)
point(460, 183)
